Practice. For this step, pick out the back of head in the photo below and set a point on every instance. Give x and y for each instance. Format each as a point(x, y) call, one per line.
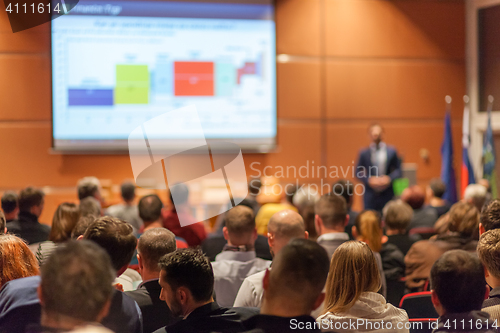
point(490, 215)
point(240, 221)
point(344, 188)
point(65, 218)
point(179, 194)
point(88, 187)
point(332, 210)
point(16, 259)
point(369, 229)
point(397, 215)
point(287, 225)
point(353, 270)
point(414, 196)
point(150, 207)
point(191, 269)
point(438, 187)
point(115, 236)
point(30, 197)
point(254, 185)
point(289, 191)
point(90, 206)
point(128, 191)
point(9, 201)
point(475, 194)
point(299, 273)
point(464, 219)
point(76, 281)
point(81, 226)
point(457, 278)
point(306, 196)
point(488, 251)
point(154, 244)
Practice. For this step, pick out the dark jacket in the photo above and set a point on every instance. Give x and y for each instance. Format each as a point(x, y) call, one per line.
point(212, 318)
point(373, 199)
point(28, 228)
point(155, 312)
point(274, 324)
point(465, 322)
point(393, 262)
point(402, 241)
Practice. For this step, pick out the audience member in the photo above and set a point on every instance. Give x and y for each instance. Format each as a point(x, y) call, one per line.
point(463, 230)
point(397, 216)
point(345, 188)
point(378, 166)
point(75, 288)
point(65, 218)
point(10, 205)
point(254, 185)
point(476, 195)
point(435, 192)
point(367, 229)
point(490, 216)
point(193, 232)
point(330, 221)
point(488, 250)
point(89, 187)
point(90, 206)
point(150, 208)
point(215, 242)
point(351, 294)
point(117, 238)
point(305, 199)
point(458, 290)
point(238, 259)
point(16, 259)
point(423, 217)
point(26, 226)
point(283, 227)
point(292, 289)
point(274, 203)
point(152, 245)
point(187, 283)
point(127, 210)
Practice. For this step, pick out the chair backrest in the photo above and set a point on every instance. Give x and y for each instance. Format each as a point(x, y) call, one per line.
point(418, 305)
point(424, 232)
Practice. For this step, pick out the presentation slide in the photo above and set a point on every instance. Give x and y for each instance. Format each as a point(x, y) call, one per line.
point(118, 64)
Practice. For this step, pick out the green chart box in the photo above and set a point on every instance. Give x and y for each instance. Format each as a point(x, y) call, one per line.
point(132, 84)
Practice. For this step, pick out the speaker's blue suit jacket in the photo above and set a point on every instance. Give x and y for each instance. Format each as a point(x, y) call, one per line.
point(374, 199)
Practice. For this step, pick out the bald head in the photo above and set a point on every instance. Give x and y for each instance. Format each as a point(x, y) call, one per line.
point(283, 227)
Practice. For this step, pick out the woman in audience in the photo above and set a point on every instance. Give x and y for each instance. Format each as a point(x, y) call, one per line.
point(65, 218)
point(351, 294)
point(368, 229)
point(16, 259)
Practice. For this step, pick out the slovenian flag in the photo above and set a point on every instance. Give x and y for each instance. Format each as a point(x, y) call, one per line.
point(447, 169)
point(467, 171)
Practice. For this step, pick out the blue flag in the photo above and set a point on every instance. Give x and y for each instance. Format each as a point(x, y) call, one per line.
point(489, 158)
point(447, 169)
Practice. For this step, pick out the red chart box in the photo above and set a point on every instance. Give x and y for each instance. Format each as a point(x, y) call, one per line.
point(193, 78)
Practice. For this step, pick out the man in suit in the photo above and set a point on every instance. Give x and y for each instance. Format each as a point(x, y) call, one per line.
point(378, 166)
point(187, 283)
point(330, 221)
point(26, 226)
point(153, 244)
point(292, 289)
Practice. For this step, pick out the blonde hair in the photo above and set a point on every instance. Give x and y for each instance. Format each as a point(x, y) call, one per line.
point(353, 271)
point(369, 229)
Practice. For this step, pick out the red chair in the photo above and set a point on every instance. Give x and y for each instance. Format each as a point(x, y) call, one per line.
point(418, 305)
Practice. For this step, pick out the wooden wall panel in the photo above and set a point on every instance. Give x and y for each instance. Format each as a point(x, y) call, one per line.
point(413, 29)
point(298, 27)
point(374, 89)
point(25, 91)
point(299, 89)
